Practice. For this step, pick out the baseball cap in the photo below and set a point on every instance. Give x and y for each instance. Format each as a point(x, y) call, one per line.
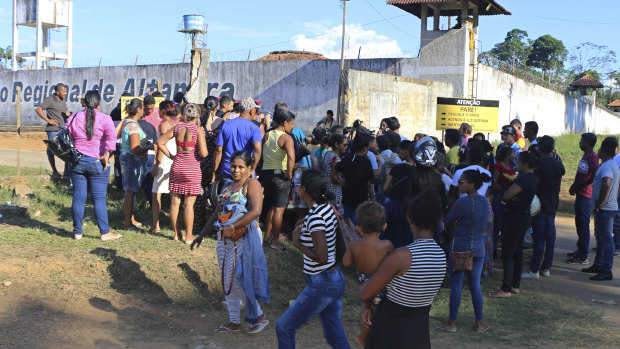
point(509, 130)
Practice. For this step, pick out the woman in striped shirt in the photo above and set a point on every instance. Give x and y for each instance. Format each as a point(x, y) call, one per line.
point(315, 237)
point(412, 275)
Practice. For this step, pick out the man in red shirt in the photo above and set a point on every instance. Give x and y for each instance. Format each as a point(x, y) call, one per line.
point(516, 123)
point(582, 189)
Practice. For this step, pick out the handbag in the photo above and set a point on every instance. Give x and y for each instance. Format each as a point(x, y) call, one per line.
point(464, 261)
point(239, 232)
point(345, 233)
point(63, 145)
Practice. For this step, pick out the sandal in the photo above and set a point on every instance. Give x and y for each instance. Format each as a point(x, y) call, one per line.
point(225, 328)
point(283, 248)
point(499, 294)
point(441, 326)
point(484, 328)
point(258, 327)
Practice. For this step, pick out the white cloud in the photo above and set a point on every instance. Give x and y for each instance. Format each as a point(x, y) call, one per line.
point(328, 41)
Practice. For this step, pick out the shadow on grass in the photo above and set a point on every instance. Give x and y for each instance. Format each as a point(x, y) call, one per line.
point(194, 278)
point(128, 277)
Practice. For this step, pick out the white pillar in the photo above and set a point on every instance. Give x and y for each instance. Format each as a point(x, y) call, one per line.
point(15, 46)
point(70, 36)
point(39, 46)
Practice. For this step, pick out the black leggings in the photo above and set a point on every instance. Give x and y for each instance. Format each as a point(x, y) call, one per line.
point(516, 225)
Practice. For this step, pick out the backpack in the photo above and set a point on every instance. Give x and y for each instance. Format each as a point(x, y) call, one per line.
point(63, 145)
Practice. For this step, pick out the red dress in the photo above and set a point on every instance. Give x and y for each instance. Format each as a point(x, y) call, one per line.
point(185, 173)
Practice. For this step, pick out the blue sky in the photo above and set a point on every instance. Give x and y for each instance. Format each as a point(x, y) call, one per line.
point(115, 32)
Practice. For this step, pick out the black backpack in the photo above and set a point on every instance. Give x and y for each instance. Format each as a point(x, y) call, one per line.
point(63, 145)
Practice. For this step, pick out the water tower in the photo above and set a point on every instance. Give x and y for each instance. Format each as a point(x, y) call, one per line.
point(195, 28)
point(44, 15)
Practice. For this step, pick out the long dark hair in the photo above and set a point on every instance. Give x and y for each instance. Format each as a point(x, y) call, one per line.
point(315, 185)
point(132, 106)
point(92, 99)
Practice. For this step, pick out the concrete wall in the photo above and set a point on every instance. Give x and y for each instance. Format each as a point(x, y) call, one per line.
point(447, 59)
point(309, 87)
point(554, 112)
point(371, 97)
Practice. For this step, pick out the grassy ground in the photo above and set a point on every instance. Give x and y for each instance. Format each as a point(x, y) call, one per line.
point(37, 248)
point(37, 251)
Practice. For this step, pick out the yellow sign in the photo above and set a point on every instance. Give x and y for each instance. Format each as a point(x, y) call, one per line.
point(480, 114)
point(126, 99)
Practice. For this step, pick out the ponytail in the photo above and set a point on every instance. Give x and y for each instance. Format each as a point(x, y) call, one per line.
point(92, 99)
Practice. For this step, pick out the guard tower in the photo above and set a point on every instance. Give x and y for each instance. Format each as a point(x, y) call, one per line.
point(464, 10)
point(195, 29)
point(451, 55)
point(44, 15)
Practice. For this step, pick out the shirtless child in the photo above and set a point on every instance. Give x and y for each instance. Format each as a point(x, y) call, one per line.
point(367, 253)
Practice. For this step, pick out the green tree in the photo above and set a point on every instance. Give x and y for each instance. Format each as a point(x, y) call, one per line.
point(514, 49)
point(548, 54)
point(6, 55)
point(589, 56)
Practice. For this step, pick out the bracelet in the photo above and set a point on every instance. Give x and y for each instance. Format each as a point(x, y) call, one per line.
point(233, 227)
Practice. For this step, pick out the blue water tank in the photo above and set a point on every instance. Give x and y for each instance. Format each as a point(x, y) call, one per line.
point(193, 22)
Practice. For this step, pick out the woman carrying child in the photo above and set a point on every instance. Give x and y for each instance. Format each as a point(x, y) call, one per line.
point(470, 213)
point(367, 253)
point(412, 275)
point(239, 248)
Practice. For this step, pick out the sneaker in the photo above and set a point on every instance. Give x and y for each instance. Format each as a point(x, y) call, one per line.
point(529, 275)
point(578, 260)
point(77, 236)
point(545, 272)
point(593, 269)
point(572, 254)
point(602, 276)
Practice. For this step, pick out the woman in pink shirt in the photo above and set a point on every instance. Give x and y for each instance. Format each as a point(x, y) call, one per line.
point(94, 136)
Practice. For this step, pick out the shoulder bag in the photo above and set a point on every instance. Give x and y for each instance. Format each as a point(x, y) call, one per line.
point(345, 233)
point(63, 145)
point(464, 261)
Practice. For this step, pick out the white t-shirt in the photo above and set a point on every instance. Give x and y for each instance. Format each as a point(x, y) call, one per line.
point(483, 189)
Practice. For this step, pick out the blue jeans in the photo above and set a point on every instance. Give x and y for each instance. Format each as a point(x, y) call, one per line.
point(349, 212)
point(50, 137)
point(603, 227)
point(543, 232)
point(617, 230)
point(456, 284)
point(322, 296)
point(583, 211)
point(133, 169)
point(88, 175)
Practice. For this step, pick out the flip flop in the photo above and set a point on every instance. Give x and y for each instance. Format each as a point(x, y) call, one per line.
point(484, 329)
point(283, 248)
point(441, 327)
point(224, 328)
point(258, 327)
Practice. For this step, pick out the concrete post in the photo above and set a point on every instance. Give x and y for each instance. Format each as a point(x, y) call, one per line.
point(39, 46)
point(15, 46)
point(198, 87)
point(70, 37)
point(436, 18)
point(423, 18)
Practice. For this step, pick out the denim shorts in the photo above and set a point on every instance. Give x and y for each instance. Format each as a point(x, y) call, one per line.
point(133, 169)
point(50, 137)
point(277, 188)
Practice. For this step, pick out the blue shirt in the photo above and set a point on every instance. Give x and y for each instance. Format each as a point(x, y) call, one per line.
point(237, 134)
point(471, 220)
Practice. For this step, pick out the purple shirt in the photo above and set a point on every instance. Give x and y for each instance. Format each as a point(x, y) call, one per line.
point(585, 173)
point(104, 134)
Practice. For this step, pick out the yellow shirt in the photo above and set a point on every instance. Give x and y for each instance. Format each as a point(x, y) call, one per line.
point(274, 157)
point(452, 156)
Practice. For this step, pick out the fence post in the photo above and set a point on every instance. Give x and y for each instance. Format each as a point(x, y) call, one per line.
point(19, 129)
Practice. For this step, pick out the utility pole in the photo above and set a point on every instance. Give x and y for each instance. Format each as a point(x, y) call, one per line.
point(339, 110)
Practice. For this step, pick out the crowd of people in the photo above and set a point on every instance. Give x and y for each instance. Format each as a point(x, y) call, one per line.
point(422, 207)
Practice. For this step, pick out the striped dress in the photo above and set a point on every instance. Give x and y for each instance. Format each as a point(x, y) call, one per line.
point(185, 173)
point(321, 217)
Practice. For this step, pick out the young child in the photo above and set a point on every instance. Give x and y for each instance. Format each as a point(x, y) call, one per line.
point(367, 253)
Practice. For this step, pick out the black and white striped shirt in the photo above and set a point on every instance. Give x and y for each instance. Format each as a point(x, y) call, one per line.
point(418, 286)
point(321, 217)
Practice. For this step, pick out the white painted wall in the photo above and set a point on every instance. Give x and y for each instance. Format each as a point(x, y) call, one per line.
point(555, 113)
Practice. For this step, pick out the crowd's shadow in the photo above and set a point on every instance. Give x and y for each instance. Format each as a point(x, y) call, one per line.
point(128, 277)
